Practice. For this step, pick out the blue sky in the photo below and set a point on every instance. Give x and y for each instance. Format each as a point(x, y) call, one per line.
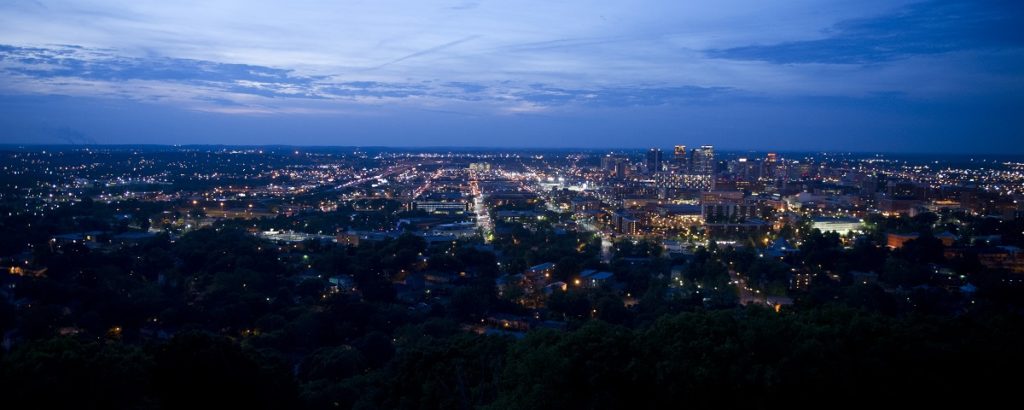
point(910, 76)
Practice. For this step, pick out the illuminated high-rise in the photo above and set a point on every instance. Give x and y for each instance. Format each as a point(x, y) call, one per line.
point(608, 163)
point(703, 160)
point(679, 155)
point(771, 162)
point(654, 160)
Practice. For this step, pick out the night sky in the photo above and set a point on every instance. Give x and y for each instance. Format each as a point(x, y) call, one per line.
point(857, 75)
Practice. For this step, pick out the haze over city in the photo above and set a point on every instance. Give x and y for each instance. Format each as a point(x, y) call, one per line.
point(891, 76)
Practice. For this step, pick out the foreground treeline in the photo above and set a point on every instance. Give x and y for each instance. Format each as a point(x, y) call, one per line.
point(740, 358)
point(219, 318)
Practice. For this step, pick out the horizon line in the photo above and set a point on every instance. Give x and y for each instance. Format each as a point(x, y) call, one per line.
point(507, 148)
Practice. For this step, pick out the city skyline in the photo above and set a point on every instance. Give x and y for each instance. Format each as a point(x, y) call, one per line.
point(637, 152)
point(569, 204)
point(915, 77)
point(283, 277)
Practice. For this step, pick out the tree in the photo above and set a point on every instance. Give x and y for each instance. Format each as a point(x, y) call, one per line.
point(332, 364)
point(900, 272)
point(470, 302)
point(67, 373)
point(200, 370)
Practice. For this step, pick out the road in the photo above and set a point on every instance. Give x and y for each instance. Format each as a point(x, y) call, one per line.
point(396, 169)
point(606, 242)
point(483, 216)
point(746, 294)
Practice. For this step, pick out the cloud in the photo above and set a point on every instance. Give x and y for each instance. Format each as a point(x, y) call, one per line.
point(313, 49)
point(230, 88)
point(927, 28)
point(106, 65)
point(622, 96)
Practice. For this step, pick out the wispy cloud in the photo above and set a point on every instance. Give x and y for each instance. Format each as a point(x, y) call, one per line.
point(469, 5)
point(238, 88)
point(428, 51)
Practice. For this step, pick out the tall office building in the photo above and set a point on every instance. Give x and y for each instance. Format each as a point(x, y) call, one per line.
point(608, 163)
point(653, 162)
point(703, 160)
point(615, 164)
point(621, 168)
point(679, 155)
point(771, 162)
